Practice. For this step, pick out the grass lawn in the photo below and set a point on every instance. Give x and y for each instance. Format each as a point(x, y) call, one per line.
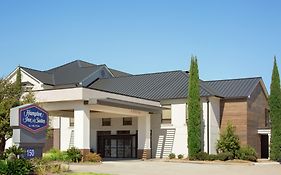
point(86, 174)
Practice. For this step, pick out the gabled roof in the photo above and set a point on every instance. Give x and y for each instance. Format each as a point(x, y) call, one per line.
point(71, 73)
point(153, 86)
point(42, 76)
point(235, 88)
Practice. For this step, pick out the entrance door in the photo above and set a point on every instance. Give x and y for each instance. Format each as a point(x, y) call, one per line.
point(117, 146)
point(264, 146)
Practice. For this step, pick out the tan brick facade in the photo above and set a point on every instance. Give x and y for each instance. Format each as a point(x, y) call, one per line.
point(247, 115)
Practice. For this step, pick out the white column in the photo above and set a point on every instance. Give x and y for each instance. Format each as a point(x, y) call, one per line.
point(82, 128)
point(144, 135)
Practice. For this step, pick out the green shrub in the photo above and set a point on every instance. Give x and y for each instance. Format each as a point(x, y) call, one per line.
point(74, 154)
point(3, 167)
point(228, 142)
point(199, 156)
point(180, 156)
point(14, 150)
point(172, 156)
point(19, 167)
point(56, 155)
point(247, 153)
point(212, 157)
point(93, 157)
point(225, 156)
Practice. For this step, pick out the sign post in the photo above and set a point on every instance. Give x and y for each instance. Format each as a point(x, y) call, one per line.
point(29, 123)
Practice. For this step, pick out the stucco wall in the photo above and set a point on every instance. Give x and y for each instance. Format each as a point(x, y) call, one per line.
point(65, 133)
point(25, 77)
point(116, 125)
point(214, 123)
point(179, 122)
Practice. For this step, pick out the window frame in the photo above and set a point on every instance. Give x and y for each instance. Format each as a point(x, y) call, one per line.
point(127, 123)
point(103, 121)
point(166, 120)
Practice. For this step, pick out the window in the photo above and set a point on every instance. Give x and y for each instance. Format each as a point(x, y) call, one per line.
point(123, 132)
point(103, 133)
point(127, 121)
point(27, 86)
point(267, 118)
point(106, 121)
point(166, 114)
point(71, 122)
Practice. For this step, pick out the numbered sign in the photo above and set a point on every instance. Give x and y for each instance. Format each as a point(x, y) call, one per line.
point(30, 153)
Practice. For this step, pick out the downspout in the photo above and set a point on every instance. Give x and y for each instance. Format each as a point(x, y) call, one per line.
point(208, 126)
point(60, 133)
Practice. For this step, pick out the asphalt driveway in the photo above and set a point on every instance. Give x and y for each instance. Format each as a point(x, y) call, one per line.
point(159, 167)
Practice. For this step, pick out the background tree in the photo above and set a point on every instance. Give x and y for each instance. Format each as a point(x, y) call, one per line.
point(28, 98)
point(275, 114)
point(194, 110)
point(10, 94)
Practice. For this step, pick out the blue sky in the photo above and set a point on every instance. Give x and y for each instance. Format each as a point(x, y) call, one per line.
point(231, 39)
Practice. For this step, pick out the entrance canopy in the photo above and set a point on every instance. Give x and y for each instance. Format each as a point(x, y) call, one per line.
point(82, 104)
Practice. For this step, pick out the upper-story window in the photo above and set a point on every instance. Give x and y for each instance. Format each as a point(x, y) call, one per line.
point(267, 118)
point(127, 121)
point(27, 86)
point(166, 114)
point(106, 121)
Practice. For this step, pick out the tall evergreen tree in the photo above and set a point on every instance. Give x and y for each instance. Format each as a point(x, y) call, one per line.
point(194, 109)
point(17, 84)
point(275, 114)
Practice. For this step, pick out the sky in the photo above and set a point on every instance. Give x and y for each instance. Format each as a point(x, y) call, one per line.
point(231, 39)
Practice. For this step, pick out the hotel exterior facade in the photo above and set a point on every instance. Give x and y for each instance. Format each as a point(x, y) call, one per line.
point(119, 115)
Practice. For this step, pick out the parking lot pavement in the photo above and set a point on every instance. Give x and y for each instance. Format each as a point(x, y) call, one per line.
point(152, 167)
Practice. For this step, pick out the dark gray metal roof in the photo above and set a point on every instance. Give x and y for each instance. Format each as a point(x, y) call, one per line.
point(42, 76)
point(235, 88)
point(71, 73)
point(118, 73)
point(154, 86)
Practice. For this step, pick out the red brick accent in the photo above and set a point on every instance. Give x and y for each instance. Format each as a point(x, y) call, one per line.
point(144, 153)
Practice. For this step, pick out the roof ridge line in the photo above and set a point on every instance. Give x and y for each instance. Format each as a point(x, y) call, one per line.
point(205, 86)
point(70, 63)
point(230, 79)
point(36, 70)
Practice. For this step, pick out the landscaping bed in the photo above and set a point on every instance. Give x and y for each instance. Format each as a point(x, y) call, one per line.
point(53, 162)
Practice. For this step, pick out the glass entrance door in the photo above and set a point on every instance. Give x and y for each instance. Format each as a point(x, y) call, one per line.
point(117, 146)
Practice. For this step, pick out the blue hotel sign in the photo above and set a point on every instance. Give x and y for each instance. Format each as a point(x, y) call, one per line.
point(33, 118)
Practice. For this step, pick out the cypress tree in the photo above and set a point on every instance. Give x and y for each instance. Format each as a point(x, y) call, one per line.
point(17, 84)
point(275, 114)
point(194, 110)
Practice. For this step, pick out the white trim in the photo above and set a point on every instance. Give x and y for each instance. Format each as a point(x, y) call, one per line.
point(264, 88)
point(23, 71)
point(264, 131)
point(31, 76)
